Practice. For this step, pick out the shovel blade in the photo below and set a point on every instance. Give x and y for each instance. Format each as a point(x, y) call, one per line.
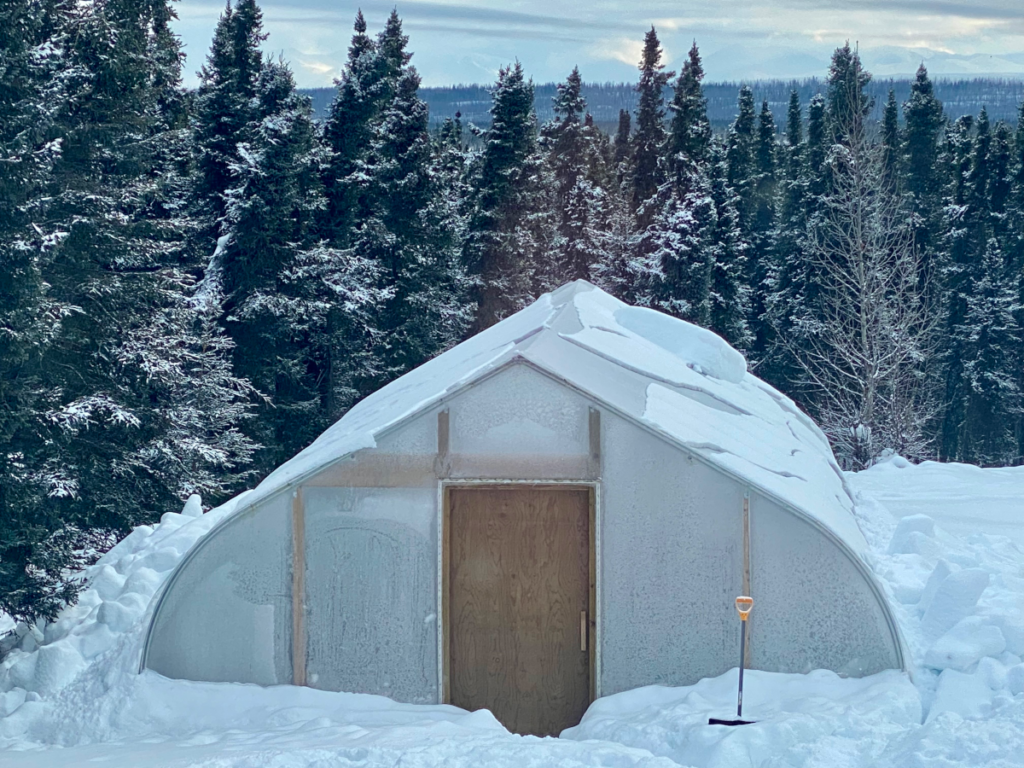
point(716, 721)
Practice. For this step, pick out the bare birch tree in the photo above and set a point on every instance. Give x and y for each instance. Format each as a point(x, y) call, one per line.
point(861, 349)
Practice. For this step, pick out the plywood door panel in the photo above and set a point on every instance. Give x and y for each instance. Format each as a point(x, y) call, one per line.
point(519, 579)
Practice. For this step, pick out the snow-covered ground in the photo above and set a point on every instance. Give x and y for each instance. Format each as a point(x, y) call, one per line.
point(961, 498)
point(70, 694)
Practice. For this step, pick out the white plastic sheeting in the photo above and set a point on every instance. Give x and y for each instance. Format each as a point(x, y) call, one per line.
point(671, 564)
point(814, 609)
point(227, 613)
point(371, 597)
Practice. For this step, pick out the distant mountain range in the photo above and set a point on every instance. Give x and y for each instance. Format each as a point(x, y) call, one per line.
point(1000, 96)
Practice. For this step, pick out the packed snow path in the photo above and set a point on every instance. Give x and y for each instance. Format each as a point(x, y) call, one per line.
point(70, 694)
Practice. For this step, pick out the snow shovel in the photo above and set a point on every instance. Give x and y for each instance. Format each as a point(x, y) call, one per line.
point(743, 606)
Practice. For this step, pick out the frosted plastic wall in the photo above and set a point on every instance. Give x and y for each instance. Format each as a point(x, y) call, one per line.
point(227, 616)
point(672, 560)
point(371, 591)
point(537, 427)
point(813, 609)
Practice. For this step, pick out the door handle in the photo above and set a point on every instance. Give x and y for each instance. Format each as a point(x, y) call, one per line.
point(583, 630)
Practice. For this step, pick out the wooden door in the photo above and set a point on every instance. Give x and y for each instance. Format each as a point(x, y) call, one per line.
point(518, 612)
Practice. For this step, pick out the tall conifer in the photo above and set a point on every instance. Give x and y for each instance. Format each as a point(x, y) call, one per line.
point(648, 140)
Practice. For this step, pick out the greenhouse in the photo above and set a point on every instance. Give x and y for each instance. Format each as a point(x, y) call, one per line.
point(560, 508)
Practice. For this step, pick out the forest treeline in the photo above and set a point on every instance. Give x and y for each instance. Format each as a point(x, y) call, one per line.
point(1000, 97)
point(196, 283)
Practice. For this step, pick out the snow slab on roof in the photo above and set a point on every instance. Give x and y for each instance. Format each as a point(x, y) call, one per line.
point(682, 381)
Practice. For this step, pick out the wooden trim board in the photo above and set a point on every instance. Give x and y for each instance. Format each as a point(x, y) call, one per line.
point(298, 589)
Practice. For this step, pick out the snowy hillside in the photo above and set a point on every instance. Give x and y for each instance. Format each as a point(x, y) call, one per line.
point(70, 693)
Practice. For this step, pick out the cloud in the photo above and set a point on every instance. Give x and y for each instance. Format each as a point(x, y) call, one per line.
point(604, 37)
point(975, 9)
point(479, 17)
point(318, 67)
point(622, 49)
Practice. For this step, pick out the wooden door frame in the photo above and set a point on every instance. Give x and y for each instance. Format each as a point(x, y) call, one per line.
point(444, 569)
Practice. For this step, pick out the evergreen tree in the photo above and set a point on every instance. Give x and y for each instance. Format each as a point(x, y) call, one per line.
point(989, 340)
point(690, 134)
point(1014, 250)
point(848, 100)
point(411, 229)
point(982, 355)
point(347, 132)
point(673, 266)
point(729, 294)
point(816, 151)
point(740, 142)
point(968, 230)
point(271, 207)
point(223, 105)
point(648, 141)
point(622, 139)
point(122, 442)
point(924, 178)
point(30, 564)
point(575, 163)
point(500, 247)
point(762, 231)
point(891, 149)
point(790, 288)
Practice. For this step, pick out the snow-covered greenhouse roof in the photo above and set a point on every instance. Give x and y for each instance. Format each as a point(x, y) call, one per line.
point(678, 380)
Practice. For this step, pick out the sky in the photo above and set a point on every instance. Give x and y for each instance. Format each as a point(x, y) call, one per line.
point(466, 41)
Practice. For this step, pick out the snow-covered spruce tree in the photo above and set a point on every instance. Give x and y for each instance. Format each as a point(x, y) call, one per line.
point(740, 147)
point(689, 259)
point(690, 130)
point(411, 223)
point(268, 222)
point(222, 112)
point(1014, 249)
point(816, 152)
point(362, 88)
point(981, 393)
point(891, 149)
point(111, 239)
point(672, 261)
point(729, 295)
point(923, 175)
point(574, 160)
point(1001, 183)
point(791, 286)
point(862, 360)
point(647, 145)
point(989, 340)
point(620, 145)
point(847, 96)
point(762, 233)
point(30, 564)
point(500, 246)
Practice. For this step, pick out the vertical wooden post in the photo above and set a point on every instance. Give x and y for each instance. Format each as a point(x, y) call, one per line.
point(594, 457)
point(298, 589)
point(443, 463)
point(746, 563)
